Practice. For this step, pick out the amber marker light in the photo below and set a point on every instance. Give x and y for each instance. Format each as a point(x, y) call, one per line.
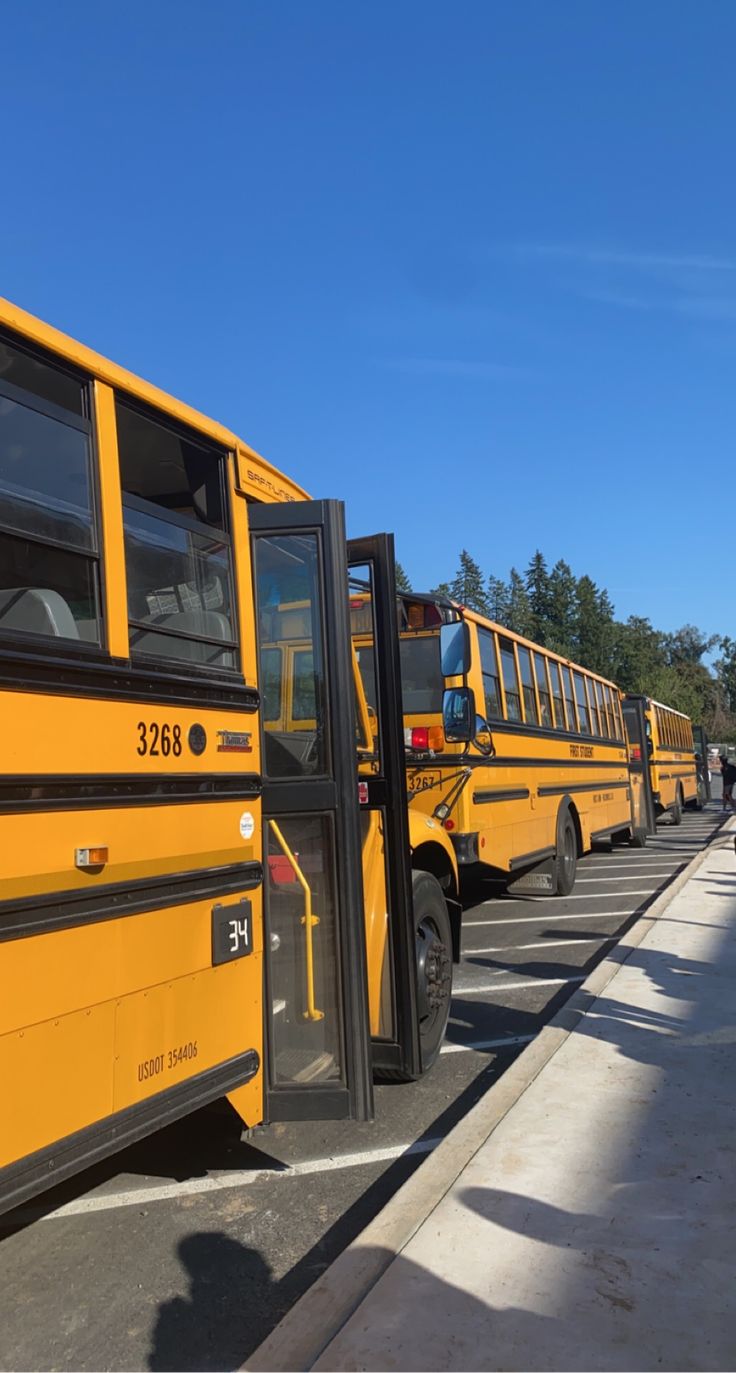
point(91, 858)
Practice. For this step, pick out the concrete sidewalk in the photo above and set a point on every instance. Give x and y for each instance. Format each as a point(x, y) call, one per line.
point(595, 1227)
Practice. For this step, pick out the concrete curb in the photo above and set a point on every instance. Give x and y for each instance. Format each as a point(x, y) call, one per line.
point(303, 1334)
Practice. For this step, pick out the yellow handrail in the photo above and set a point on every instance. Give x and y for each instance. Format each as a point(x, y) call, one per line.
point(308, 920)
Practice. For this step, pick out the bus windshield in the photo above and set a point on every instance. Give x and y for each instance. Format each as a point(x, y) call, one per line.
point(421, 679)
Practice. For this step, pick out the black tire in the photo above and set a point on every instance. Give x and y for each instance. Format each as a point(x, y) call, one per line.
point(566, 856)
point(676, 810)
point(638, 839)
point(433, 941)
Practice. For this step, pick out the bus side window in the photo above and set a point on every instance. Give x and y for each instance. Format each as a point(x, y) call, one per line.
point(572, 723)
point(527, 684)
point(49, 551)
point(271, 678)
point(489, 669)
point(601, 709)
point(554, 675)
point(593, 704)
point(303, 700)
point(177, 543)
point(543, 690)
point(510, 680)
point(583, 714)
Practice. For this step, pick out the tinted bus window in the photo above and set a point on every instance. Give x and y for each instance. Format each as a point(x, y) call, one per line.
point(177, 549)
point(527, 684)
point(489, 669)
point(303, 702)
point(601, 708)
point(609, 698)
point(271, 683)
point(543, 692)
point(583, 713)
point(569, 699)
point(510, 680)
point(554, 676)
point(49, 577)
point(421, 679)
point(593, 703)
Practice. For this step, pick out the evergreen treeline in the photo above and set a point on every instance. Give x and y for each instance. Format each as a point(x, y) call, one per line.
point(576, 618)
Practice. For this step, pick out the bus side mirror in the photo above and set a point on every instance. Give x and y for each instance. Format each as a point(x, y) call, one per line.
point(458, 715)
point(455, 649)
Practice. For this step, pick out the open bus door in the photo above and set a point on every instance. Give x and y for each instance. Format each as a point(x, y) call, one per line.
point(341, 945)
point(395, 943)
point(318, 1057)
point(643, 813)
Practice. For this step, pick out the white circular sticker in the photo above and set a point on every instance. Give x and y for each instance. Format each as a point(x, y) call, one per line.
point(247, 825)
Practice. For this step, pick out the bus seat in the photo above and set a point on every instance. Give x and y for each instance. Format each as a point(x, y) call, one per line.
point(37, 610)
point(209, 622)
point(89, 630)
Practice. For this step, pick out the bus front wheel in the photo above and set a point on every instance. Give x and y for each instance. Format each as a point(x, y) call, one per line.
point(676, 812)
point(433, 934)
point(566, 856)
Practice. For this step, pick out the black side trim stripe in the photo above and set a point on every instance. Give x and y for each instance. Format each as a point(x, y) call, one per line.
point(81, 792)
point(89, 675)
point(581, 786)
point(62, 910)
point(51, 1165)
point(668, 776)
point(485, 798)
point(523, 860)
point(459, 760)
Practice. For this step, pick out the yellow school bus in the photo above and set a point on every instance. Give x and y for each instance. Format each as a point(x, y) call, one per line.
point(191, 906)
point(521, 754)
point(673, 770)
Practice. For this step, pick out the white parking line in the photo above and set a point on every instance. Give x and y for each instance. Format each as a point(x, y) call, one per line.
point(627, 863)
point(635, 876)
point(576, 896)
point(553, 919)
point(171, 1191)
point(478, 1044)
point(541, 944)
point(480, 988)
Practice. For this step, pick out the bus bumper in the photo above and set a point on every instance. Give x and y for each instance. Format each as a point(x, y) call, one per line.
point(466, 848)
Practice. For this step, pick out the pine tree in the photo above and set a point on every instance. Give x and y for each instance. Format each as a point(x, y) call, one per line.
point(402, 581)
point(499, 598)
point(520, 615)
point(561, 624)
point(467, 586)
point(590, 627)
point(538, 592)
point(637, 654)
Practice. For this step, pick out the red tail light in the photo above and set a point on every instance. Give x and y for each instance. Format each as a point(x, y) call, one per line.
point(420, 738)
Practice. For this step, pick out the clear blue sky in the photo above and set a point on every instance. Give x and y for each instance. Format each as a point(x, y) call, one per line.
point(470, 266)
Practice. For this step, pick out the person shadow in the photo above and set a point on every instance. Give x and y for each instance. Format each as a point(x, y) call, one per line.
point(212, 1327)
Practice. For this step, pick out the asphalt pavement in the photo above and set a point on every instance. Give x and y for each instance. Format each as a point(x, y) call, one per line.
point(183, 1252)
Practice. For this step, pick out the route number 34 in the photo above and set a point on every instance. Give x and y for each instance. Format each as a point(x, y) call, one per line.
point(232, 931)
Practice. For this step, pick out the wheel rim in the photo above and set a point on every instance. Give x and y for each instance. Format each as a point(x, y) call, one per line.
point(568, 852)
point(433, 974)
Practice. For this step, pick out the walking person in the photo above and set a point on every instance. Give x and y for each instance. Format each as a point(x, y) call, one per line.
point(728, 773)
